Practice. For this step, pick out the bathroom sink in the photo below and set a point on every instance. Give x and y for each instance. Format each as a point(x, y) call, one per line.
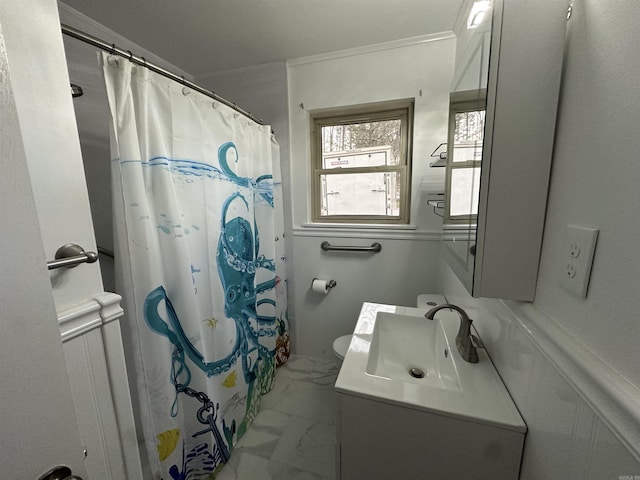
point(388, 341)
point(412, 349)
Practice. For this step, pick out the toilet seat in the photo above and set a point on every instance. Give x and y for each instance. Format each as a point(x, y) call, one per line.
point(341, 345)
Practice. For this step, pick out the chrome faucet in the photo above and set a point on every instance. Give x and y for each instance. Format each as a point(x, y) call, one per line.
point(464, 339)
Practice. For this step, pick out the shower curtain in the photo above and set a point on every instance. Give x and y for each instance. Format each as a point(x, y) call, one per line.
point(199, 238)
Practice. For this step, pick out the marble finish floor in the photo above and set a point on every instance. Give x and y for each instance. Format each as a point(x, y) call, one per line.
point(293, 435)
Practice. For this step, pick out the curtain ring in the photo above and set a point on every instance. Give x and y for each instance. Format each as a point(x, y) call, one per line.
point(144, 62)
point(130, 55)
point(113, 49)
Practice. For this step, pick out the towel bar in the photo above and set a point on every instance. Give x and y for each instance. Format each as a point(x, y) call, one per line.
point(70, 255)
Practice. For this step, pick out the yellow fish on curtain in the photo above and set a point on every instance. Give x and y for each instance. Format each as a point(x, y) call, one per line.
point(199, 235)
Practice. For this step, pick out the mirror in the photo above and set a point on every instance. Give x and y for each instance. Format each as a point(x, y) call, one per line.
point(493, 236)
point(467, 110)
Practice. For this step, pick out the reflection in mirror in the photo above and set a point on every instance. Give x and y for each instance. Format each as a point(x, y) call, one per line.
point(466, 129)
point(467, 109)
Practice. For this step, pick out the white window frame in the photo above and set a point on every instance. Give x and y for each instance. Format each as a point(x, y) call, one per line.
point(396, 110)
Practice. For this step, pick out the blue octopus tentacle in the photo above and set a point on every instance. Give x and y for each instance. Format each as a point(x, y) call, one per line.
point(266, 319)
point(177, 336)
point(225, 208)
point(224, 165)
point(264, 286)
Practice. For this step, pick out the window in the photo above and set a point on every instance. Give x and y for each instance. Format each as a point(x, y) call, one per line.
point(464, 156)
point(360, 162)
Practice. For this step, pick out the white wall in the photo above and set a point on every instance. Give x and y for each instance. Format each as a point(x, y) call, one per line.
point(420, 68)
point(595, 180)
point(571, 364)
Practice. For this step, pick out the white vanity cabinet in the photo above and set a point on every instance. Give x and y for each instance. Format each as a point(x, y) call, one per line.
point(379, 440)
point(392, 424)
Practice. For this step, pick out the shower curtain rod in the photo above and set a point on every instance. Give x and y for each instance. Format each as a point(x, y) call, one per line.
point(111, 48)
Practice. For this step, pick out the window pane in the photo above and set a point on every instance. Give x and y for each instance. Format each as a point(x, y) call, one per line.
point(360, 194)
point(365, 157)
point(361, 144)
point(465, 189)
point(467, 151)
point(468, 135)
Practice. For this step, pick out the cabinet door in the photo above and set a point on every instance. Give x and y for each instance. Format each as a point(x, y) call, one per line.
point(497, 253)
point(522, 101)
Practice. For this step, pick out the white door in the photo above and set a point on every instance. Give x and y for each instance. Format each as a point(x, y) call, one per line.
point(40, 186)
point(39, 426)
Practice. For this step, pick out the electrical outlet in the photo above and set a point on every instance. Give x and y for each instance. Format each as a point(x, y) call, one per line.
point(580, 245)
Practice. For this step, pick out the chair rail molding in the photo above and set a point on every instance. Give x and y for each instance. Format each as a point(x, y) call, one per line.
point(88, 315)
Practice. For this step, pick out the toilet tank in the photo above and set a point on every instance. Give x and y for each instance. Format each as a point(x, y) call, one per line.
point(428, 300)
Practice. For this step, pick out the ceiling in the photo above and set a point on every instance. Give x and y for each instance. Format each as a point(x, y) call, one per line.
point(207, 36)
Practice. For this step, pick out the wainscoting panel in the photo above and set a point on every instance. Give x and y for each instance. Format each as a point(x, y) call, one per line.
point(406, 267)
point(582, 417)
point(95, 361)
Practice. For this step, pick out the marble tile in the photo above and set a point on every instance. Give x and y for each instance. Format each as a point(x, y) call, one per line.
point(277, 392)
point(252, 467)
point(308, 400)
point(258, 442)
point(304, 387)
point(301, 367)
point(293, 434)
point(271, 420)
point(308, 445)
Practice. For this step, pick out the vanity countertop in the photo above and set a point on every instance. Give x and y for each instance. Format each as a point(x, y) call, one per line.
point(480, 395)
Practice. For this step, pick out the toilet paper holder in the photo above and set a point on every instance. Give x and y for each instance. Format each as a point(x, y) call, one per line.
point(330, 283)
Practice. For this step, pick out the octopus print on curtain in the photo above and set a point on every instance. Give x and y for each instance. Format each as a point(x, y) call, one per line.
point(198, 219)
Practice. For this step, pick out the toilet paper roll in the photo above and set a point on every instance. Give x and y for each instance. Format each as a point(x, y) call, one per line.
point(320, 286)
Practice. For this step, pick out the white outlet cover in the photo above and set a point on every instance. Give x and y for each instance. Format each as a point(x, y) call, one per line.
point(577, 258)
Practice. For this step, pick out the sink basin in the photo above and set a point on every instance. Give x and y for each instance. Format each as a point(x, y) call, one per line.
point(412, 349)
point(388, 341)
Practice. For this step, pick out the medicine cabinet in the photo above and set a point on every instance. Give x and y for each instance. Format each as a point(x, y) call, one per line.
point(513, 66)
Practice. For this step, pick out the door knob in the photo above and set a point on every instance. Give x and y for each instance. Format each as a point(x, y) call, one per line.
point(59, 473)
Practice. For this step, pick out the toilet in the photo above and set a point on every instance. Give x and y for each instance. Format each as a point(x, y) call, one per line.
point(426, 300)
point(340, 347)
